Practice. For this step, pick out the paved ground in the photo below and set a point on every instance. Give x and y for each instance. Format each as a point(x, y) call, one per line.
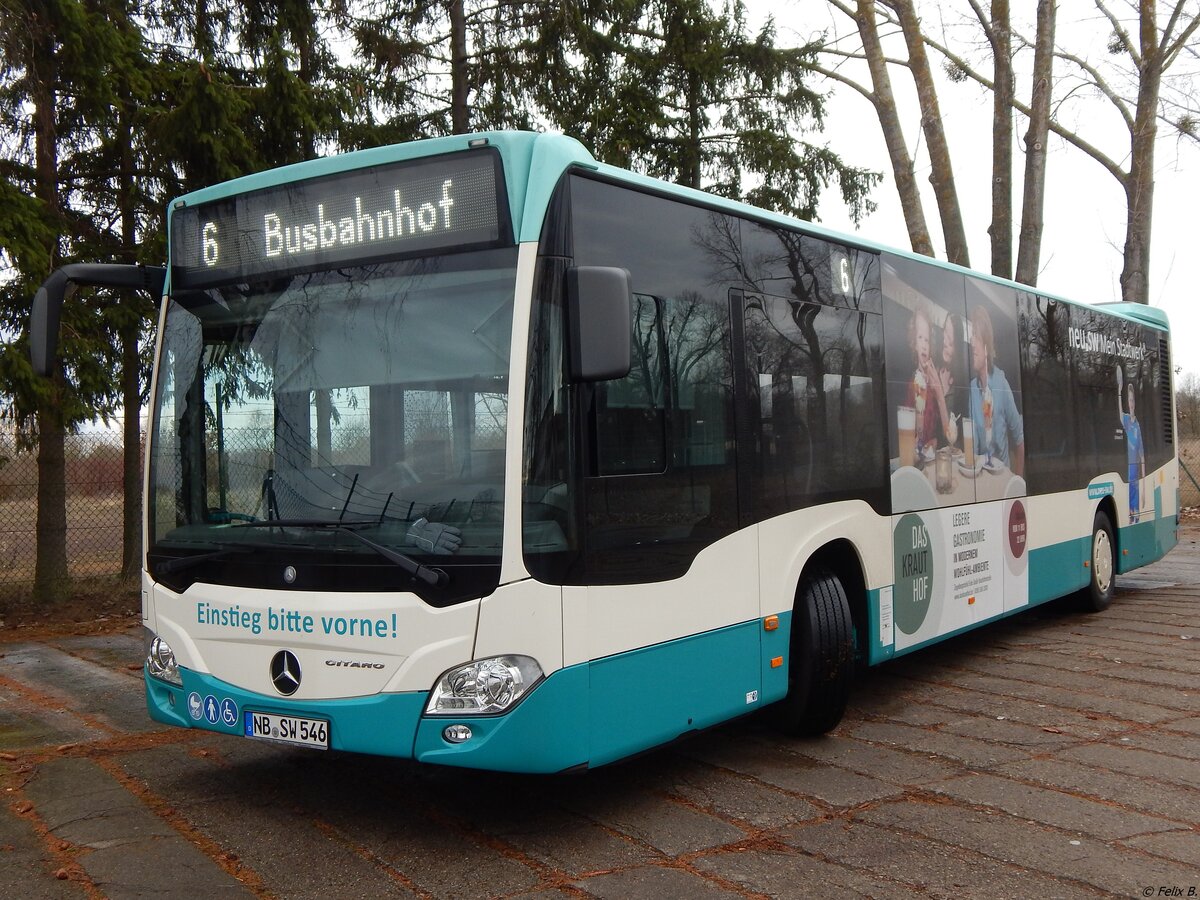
point(1054, 755)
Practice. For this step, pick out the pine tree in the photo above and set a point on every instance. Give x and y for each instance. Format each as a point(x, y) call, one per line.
point(54, 55)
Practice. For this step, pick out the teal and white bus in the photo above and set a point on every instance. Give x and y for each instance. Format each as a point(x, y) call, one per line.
point(479, 452)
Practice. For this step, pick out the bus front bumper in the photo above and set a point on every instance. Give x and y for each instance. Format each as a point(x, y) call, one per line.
point(546, 732)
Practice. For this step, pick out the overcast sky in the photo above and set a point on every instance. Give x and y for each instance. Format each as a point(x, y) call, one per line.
point(1085, 207)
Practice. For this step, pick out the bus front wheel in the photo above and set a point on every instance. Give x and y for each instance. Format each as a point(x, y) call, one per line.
point(1099, 592)
point(821, 664)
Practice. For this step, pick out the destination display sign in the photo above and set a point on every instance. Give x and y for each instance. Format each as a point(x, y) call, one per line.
point(399, 209)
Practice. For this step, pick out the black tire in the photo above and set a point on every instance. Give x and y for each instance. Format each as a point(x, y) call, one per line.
point(821, 665)
point(1103, 566)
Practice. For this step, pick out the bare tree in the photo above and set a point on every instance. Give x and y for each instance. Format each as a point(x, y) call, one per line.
point(883, 100)
point(941, 174)
point(1029, 251)
point(998, 30)
point(1131, 82)
point(1147, 40)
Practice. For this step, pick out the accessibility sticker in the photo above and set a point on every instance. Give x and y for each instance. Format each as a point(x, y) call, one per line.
point(195, 706)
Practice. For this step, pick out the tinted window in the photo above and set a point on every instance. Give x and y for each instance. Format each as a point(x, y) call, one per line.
point(650, 526)
point(816, 379)
point(630, 428)
point(1051, 427)
point(784, 263)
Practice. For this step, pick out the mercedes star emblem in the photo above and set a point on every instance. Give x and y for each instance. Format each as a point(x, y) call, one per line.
point(285, 672)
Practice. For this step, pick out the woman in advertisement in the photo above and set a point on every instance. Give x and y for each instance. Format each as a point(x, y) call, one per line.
point(996, 421)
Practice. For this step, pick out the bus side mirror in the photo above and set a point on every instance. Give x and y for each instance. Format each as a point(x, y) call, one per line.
point(600, 320)
point(48, 302)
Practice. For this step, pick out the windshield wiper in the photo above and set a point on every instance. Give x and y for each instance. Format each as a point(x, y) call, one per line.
point(180, 563)
point(430, 576)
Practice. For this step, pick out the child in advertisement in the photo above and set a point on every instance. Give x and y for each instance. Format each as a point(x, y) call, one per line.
point(926, 394)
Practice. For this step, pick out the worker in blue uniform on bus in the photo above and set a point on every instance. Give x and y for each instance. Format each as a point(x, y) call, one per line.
point(999, 431)
point(1134, 449)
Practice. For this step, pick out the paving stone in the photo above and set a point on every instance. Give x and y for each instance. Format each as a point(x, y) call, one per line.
point(670, 828)
point(133, 852)
point(944, 699)
point(1018, 664)
point(1149, 675)
point(1096, 683)
point(1138, 625)
point(1054, 695)
point(737, 797)
point(799, 875)
point(25, 725)
point(1170, 744)
point(1191, 725)
point(25, 861)
point(1003, 730)
point(896, 766)
point(1049, 807)
point(1169, 801)
point(1141, 653)
point(1138, 762)
point(652, 882)
point(926, 865)
point(569, 843)
point(1183, 846)
point(83, 686)
point(1079, 858)
point(964, 749)
point(113, 651)
point(792, 772)
point(258, 811)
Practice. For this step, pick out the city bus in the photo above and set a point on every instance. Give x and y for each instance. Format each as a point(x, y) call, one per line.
point(479, 452)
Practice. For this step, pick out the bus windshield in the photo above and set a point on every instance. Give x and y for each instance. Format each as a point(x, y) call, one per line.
point(364, 398)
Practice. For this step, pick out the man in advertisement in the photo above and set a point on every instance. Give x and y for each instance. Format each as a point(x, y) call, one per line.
point(1135, 450)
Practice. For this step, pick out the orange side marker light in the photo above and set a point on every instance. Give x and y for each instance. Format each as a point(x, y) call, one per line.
point(770, 623)
point(777, 662)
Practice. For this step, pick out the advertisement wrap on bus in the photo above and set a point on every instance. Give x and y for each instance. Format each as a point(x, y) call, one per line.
point(479, 452)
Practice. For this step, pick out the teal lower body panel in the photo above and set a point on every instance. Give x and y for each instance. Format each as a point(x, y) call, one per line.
point(596, 713)
point(383, 724)
point(1146, 541)
point(546, 732)
point(1059, 569)
point(584, 715)
point(654, 695)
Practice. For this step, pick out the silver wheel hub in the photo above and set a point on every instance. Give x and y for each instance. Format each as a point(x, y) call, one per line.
point(1102, 560)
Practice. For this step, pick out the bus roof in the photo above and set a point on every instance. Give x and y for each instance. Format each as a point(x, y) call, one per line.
point(534, 163)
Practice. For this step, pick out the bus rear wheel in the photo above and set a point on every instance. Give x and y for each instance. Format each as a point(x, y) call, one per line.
point(1099, 593)
point(821, 664)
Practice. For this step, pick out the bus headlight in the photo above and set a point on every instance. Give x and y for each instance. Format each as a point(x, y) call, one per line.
point(160, 659)
point(484, 687)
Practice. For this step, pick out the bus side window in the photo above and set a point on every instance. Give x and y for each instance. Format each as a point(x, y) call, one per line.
point(817, 406)
point(630, 412)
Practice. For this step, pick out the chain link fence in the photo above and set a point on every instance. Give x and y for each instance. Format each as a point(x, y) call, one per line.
point(94, 499)
point(1189, 471)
